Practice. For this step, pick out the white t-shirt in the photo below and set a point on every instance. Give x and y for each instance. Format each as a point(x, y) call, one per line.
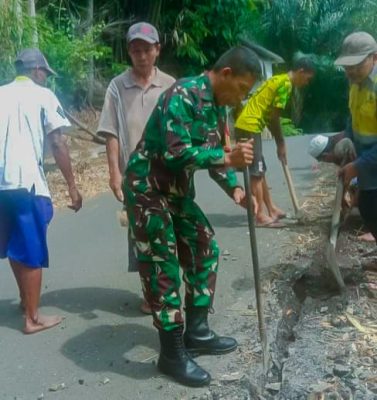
point(28, 112)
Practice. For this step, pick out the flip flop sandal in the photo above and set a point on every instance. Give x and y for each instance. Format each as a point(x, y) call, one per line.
point(366, 237)
point(273, 224)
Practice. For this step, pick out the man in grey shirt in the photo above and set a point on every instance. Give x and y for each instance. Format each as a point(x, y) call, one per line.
point(129, 101)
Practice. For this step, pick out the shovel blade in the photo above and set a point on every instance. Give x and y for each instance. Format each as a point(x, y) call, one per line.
point(332, 264)
point(299, 215)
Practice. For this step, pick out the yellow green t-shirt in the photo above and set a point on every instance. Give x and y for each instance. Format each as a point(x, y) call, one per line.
point(363, 107)
point(274, 93)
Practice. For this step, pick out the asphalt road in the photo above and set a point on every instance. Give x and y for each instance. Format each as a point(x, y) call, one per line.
point(105, 348)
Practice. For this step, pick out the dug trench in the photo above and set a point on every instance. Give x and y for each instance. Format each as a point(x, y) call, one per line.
point(322, 343)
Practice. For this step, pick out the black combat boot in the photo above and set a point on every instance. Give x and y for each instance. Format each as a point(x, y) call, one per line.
point(177, 363)
point(199, 339)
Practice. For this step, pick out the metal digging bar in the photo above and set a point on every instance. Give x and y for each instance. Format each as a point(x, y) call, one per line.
point(255, 260)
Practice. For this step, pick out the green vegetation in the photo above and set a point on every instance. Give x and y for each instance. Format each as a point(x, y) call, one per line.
point(85, 42)
point(288, 127)
point(316, 27)
point(11, 29)
point(70, 54)
point(203, 29)
point(67, 46)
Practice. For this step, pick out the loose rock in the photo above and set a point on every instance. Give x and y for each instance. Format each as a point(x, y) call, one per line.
point(341, 370)
point(55, 388)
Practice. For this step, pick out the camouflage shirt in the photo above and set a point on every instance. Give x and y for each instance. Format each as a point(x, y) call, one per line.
point(184, 133)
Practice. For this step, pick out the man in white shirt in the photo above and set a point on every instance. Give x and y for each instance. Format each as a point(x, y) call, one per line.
point(29, 114)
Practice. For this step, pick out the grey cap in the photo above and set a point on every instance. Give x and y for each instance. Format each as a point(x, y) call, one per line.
point(33, 58)
point(355, 48)
point(143, 31)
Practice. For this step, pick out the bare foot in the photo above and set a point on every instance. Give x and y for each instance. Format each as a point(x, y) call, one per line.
point(277, 213)
point(145, 308)
point(366, 237)
point(263, 219)
point(43, 322)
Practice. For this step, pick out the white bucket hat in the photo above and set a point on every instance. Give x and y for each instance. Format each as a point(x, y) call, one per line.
point(317, 145)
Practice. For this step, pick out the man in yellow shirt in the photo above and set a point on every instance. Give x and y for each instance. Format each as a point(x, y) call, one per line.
point(264, 109)
point(358, 57)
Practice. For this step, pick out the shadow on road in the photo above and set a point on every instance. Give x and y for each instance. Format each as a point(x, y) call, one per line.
point(86, 300)
point(11, 315)
point(303, 168)
point(128, 350)
point(83, 301)
point(227, 220)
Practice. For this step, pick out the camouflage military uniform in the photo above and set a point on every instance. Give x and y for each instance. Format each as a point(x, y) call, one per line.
point(184, 133)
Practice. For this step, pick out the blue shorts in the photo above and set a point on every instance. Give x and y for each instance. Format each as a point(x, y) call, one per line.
point(24, 218)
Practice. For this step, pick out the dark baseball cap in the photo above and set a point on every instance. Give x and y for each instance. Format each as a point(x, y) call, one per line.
point(356, 48)
point(33, 58)
point(143, 31)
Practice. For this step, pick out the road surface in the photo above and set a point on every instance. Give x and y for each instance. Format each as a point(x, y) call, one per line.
point(105, 349)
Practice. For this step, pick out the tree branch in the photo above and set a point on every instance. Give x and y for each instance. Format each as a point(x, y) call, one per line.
point(94, 136)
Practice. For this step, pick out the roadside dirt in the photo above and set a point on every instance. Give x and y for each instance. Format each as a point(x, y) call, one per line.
point(322, 344)
point(91, 173)
point(88, 161)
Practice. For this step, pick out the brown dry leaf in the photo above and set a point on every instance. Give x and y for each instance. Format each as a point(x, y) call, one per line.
point(361, 328)
point(326, 325)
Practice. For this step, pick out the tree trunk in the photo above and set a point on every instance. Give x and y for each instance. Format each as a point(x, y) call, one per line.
point(91, 60)
point(32, 15)
point(17, 9)
point(155, 12)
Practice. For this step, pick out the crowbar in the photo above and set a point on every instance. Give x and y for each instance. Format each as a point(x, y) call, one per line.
point(298, 212)
point(255, 260)
point(331, 260)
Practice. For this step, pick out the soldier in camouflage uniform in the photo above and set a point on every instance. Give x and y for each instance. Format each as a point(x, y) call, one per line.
point(185, 133)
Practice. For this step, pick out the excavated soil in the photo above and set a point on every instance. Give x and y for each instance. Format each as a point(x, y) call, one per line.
point(322, 343)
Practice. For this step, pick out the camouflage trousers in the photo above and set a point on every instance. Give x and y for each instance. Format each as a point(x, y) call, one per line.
point(171, 235)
